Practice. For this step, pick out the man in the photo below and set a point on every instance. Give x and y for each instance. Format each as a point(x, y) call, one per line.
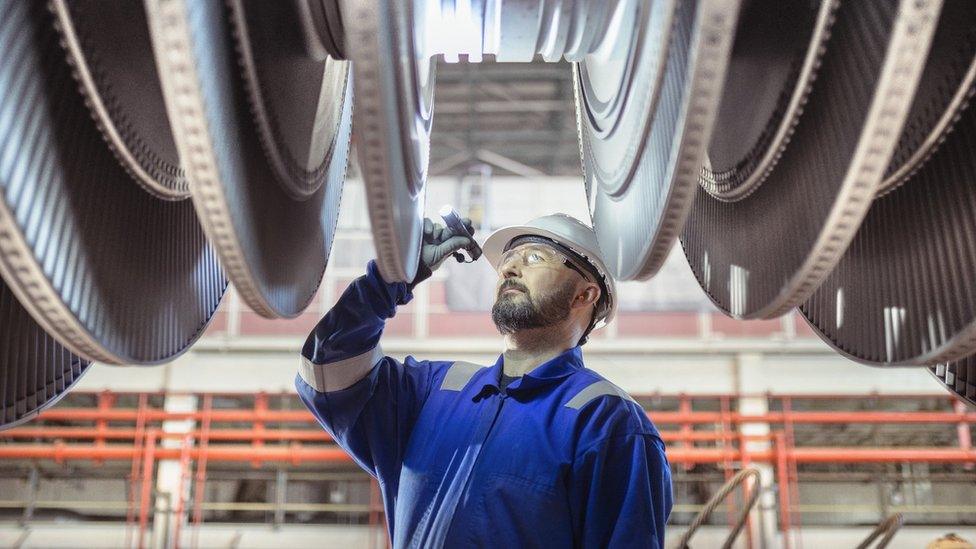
point(533, 451)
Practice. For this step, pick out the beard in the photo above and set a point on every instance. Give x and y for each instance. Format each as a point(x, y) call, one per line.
point(513, 312)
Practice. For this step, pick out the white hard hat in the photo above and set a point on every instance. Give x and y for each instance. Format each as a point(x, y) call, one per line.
point(568, 232)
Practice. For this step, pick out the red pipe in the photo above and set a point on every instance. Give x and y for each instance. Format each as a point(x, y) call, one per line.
point(105, 402)
point(298, 454)
point(140, 432)
point(285, 435)
point(201, 469)
point(260, 409)
point(61, 452)
point(303, 416)
point(807, 396)
point(155, 414)
point(147, 477)
point(793, 476)
point(882, 455)
point(783, 482)
point(684, 406)
point(181, 487)
point(814, 417)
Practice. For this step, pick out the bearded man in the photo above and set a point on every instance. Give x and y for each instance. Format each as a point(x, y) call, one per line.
point(534, 450)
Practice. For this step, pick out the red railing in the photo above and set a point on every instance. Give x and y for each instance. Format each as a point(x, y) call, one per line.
point(107, 432)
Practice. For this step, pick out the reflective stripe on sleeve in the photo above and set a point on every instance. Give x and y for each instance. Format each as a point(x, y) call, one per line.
point(342, 374)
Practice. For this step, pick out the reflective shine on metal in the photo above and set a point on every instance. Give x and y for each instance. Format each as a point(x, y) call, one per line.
point(35, 370)
point(646, 99)
point(263, 127)
point(394, 99)
point(108, 46)
point(904, 293)
point(761, 255)
point(114, 273)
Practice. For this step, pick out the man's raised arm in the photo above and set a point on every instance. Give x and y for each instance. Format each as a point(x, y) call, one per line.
point(367, 401)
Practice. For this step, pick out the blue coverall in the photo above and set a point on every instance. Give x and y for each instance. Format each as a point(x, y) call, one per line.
point(562, 458)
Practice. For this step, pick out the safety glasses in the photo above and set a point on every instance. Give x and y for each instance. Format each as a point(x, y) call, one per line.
point(533, 255)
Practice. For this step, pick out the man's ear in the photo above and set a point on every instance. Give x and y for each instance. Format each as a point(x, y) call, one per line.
point(589, 295)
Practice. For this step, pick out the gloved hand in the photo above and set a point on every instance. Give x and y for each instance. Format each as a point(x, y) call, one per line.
point(439, 243)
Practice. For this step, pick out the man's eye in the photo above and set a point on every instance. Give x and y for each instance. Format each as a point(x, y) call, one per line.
point(534, 257)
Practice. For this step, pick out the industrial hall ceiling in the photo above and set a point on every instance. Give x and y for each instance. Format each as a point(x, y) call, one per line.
point(810, 155)
point(517, 118)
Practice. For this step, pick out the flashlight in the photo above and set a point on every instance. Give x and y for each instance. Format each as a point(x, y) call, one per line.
point(453, 221)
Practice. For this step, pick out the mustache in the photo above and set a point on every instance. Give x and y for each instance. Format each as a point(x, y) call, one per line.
point(511, 284)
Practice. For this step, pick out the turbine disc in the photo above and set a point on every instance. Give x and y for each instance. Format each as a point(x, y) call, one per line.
point(394, 100)
point(904, 293)
point(108, 46)
point(297, 100)
point(959, 378)
point(775, 57)
point(264, 130)
point(115, 274)
point(35, 370)
point(949, 72)
point(761, 255)
point(645, 103)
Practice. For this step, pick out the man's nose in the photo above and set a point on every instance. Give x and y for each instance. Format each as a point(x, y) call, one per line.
point(510, 269)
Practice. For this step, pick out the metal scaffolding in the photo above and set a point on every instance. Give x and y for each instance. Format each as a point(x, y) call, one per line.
point(260, 435)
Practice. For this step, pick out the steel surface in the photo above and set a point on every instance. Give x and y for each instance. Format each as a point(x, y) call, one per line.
point(774, 62)
point(760, 256)
point(642, 145)
point(945, 87)
point(394, 101)
point(112, 272)
point(903, 292)
point(265, 138)
point(35, 370)
point(108, 46)
point(959, 378)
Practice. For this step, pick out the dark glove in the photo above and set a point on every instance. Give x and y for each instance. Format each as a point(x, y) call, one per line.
point(440, 243)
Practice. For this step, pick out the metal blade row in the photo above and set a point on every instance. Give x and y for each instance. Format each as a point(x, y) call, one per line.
point(35, 370)
point(904, 292)
point(799, 151)
point(959, 378)
point(826, 176)
point(642, 140)
point(263, 128)
point(98, 245)
point(115, 273)
point(792, 121)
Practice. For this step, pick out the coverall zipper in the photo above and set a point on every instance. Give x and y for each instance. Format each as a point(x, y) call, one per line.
point(477, 459)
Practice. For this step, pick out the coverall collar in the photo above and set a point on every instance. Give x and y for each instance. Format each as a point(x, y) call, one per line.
point(550, 372)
